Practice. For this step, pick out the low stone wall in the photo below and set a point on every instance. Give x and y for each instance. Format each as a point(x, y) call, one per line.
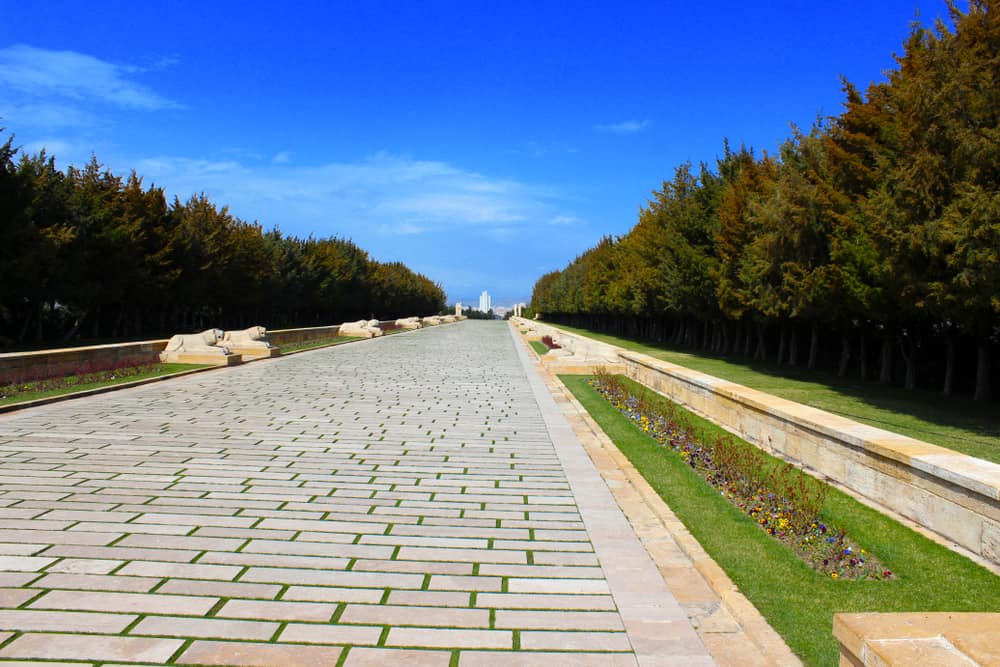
point(40, 364)
point(905, 639)
point(280, 337)
point(954, 495)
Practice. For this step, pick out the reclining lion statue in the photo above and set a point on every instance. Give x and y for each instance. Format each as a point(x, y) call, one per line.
point(254, 337)
point(206, 342)
point(409, 323)
point(362, 328)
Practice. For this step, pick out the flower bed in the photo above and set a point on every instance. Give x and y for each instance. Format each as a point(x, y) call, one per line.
point(782, 500)
point(85, 373)
point(549, 343)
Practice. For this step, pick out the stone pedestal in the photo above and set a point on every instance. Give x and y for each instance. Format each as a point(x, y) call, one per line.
point(205, 358)
point(251, 353)
point(904, 639)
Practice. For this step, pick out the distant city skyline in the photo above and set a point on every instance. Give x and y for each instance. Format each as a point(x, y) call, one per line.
point(485, 303)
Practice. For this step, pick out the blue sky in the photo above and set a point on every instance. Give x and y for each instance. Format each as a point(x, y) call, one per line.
point(481, 143)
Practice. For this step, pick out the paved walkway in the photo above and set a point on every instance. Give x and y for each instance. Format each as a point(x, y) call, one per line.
point(417, 499)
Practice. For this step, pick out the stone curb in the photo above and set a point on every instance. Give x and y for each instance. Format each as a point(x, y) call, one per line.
point(771, 649)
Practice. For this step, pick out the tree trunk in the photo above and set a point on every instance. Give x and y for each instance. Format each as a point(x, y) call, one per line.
point(949, 366)
point(845, 355)
point(908, 348)
point(782, 342)
point(793, 346)
point(76, 326)
point(40, 331)
point(24, 327)
point(813, 346)
point(761, 351)
point(983, 370)
point(96, 331)
point(885, 368)
point(863, 357)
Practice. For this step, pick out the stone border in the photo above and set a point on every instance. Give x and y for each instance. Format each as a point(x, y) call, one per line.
point(953, 495)
point(24, 405)
point(657, 626)
point(734, 631)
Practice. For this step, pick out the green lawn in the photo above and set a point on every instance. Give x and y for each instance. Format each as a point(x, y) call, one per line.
point(797, 601)
point(75, 384)
point(956, 423)
point(539, 347)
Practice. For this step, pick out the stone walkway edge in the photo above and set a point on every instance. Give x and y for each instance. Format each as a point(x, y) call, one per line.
point(656, 624)
point(733, 629)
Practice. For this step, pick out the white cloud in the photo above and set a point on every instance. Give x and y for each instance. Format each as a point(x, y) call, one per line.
point(624, 127)
point(45, 115)
point(284, 157)
point(385, 193)
point(564, 220)
point(44, 74)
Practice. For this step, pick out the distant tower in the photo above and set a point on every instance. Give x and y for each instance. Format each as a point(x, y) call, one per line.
point(484, 302)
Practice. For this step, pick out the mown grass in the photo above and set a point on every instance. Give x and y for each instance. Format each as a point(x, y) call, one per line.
point(796, 600)
point(539, 347)
point(75, 383)
point(960, 424)
point(319, 342)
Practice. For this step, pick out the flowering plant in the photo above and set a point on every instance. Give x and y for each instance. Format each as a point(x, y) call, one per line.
point(781, 499)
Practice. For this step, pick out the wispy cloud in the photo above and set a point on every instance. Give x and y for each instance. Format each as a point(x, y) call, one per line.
point(41, 74)
point(284, 157)
point(624, 127)
point(384, 194)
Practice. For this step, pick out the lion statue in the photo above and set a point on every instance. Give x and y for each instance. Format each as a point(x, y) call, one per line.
point(361, 328)
point(254, 337)
point(206, 342)
point(432, 320)
point(409, 323)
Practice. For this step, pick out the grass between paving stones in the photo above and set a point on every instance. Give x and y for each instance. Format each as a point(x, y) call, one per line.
point(319, 342)
point(539, 347)
point(960, 424)
point(798, 602)
point(26, 391)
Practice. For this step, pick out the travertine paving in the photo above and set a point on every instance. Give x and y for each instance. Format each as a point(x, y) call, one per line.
point(416, 499)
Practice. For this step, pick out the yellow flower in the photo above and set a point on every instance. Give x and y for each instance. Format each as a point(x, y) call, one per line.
point(833, 575)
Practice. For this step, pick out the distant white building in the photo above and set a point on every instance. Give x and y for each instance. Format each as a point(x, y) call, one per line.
point(485, 305)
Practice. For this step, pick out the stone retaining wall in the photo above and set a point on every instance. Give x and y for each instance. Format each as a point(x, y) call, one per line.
point(280, 337)
point(954, 495)
point(22, 366)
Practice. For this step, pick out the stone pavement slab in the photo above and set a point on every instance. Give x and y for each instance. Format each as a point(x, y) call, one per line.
point(413, 499)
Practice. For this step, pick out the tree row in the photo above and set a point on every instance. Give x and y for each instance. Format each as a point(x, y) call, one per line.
point(869, 244)
point(87, 253)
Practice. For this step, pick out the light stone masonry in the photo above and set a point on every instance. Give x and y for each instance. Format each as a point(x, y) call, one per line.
point(411, 499)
